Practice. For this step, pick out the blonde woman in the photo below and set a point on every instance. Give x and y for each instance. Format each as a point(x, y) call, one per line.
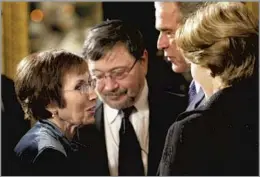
point(220, 137)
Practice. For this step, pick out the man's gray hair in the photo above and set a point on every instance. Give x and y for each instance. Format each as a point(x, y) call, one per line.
point(189, 8)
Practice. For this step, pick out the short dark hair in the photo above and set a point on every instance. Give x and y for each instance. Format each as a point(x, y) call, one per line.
point(38, 80)
point(106, 35)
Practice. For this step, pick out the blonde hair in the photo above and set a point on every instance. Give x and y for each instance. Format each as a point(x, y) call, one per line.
point(223, 37)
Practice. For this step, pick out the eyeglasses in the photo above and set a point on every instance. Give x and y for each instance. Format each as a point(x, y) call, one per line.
point(85, 87)
point(116, 74)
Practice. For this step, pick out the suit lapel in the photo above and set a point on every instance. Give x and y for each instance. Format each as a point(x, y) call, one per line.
point(99, 117)
point(155, 133)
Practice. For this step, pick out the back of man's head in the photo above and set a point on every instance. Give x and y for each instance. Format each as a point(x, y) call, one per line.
point(185, 8)
point(188, 8)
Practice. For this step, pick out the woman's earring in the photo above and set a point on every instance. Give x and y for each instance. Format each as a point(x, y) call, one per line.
point(54, 114)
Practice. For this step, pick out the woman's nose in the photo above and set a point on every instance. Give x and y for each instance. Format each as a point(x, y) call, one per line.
point(92, 94)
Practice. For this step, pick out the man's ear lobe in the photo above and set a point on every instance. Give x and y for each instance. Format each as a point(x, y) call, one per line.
point(144, 61)
point(144, 58)
point(145, 55)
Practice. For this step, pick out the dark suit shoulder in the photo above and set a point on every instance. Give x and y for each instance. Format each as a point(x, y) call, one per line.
point(192, 118)
point(171, 103)
point(181, 144)
point(181, 128)
point(210, 142)
point(166, 95)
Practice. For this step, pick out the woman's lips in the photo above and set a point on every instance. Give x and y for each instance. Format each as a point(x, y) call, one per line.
point(91, 109)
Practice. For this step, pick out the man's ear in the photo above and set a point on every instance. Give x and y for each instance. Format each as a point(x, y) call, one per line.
point(144, 61)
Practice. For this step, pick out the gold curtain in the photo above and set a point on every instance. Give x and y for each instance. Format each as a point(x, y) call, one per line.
point(14, 35)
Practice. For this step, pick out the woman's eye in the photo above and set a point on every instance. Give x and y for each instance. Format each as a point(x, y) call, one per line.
point(78, 88)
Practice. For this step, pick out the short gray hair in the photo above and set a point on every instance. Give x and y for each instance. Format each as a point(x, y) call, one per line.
point(188, 8)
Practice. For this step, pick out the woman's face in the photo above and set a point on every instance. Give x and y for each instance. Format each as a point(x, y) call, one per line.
point(79, 98)
point(199, 73)
point(202, 76)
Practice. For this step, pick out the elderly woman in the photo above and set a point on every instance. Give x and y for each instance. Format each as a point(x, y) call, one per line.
point(53, 87)
point(220, 137)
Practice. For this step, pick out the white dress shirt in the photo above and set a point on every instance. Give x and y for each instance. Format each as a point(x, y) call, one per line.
point(140, 122)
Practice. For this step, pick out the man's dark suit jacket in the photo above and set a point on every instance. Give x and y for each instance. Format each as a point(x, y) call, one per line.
point(164, 108)
point(218, 138)
point(12, 123)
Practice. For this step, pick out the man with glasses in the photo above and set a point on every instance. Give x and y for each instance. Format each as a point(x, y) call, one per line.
point(132, 117)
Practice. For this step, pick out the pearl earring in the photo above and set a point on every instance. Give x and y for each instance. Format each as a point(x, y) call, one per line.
point(54, 114)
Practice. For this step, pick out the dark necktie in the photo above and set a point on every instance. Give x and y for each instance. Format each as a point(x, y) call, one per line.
point(130, 158)
point(192, 91)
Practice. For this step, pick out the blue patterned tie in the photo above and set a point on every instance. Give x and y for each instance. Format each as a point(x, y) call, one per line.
point(192, 91)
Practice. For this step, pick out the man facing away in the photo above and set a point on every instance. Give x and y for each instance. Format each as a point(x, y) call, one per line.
point(131, 117)
point(169, 15)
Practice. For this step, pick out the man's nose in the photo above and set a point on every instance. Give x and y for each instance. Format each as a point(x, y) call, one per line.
point(110, 84)
point(162, 42)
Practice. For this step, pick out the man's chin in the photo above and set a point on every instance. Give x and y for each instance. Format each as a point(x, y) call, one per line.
point(178, 68)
